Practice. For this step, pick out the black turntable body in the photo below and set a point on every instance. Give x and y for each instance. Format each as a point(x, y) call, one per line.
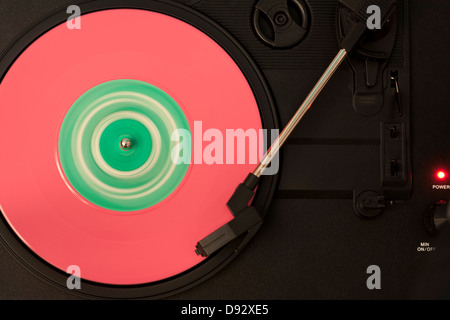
point(364, 179)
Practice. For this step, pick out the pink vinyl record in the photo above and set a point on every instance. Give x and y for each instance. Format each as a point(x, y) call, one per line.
point(39, 202)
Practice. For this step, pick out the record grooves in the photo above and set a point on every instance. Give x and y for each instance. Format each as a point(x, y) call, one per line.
point(202, 270)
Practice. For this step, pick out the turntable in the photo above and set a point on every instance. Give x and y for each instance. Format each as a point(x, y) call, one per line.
point(217, 149)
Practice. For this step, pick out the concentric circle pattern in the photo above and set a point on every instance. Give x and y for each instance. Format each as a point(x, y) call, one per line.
point(90, 150)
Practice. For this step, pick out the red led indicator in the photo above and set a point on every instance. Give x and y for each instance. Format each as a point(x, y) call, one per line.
point(441, 175)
